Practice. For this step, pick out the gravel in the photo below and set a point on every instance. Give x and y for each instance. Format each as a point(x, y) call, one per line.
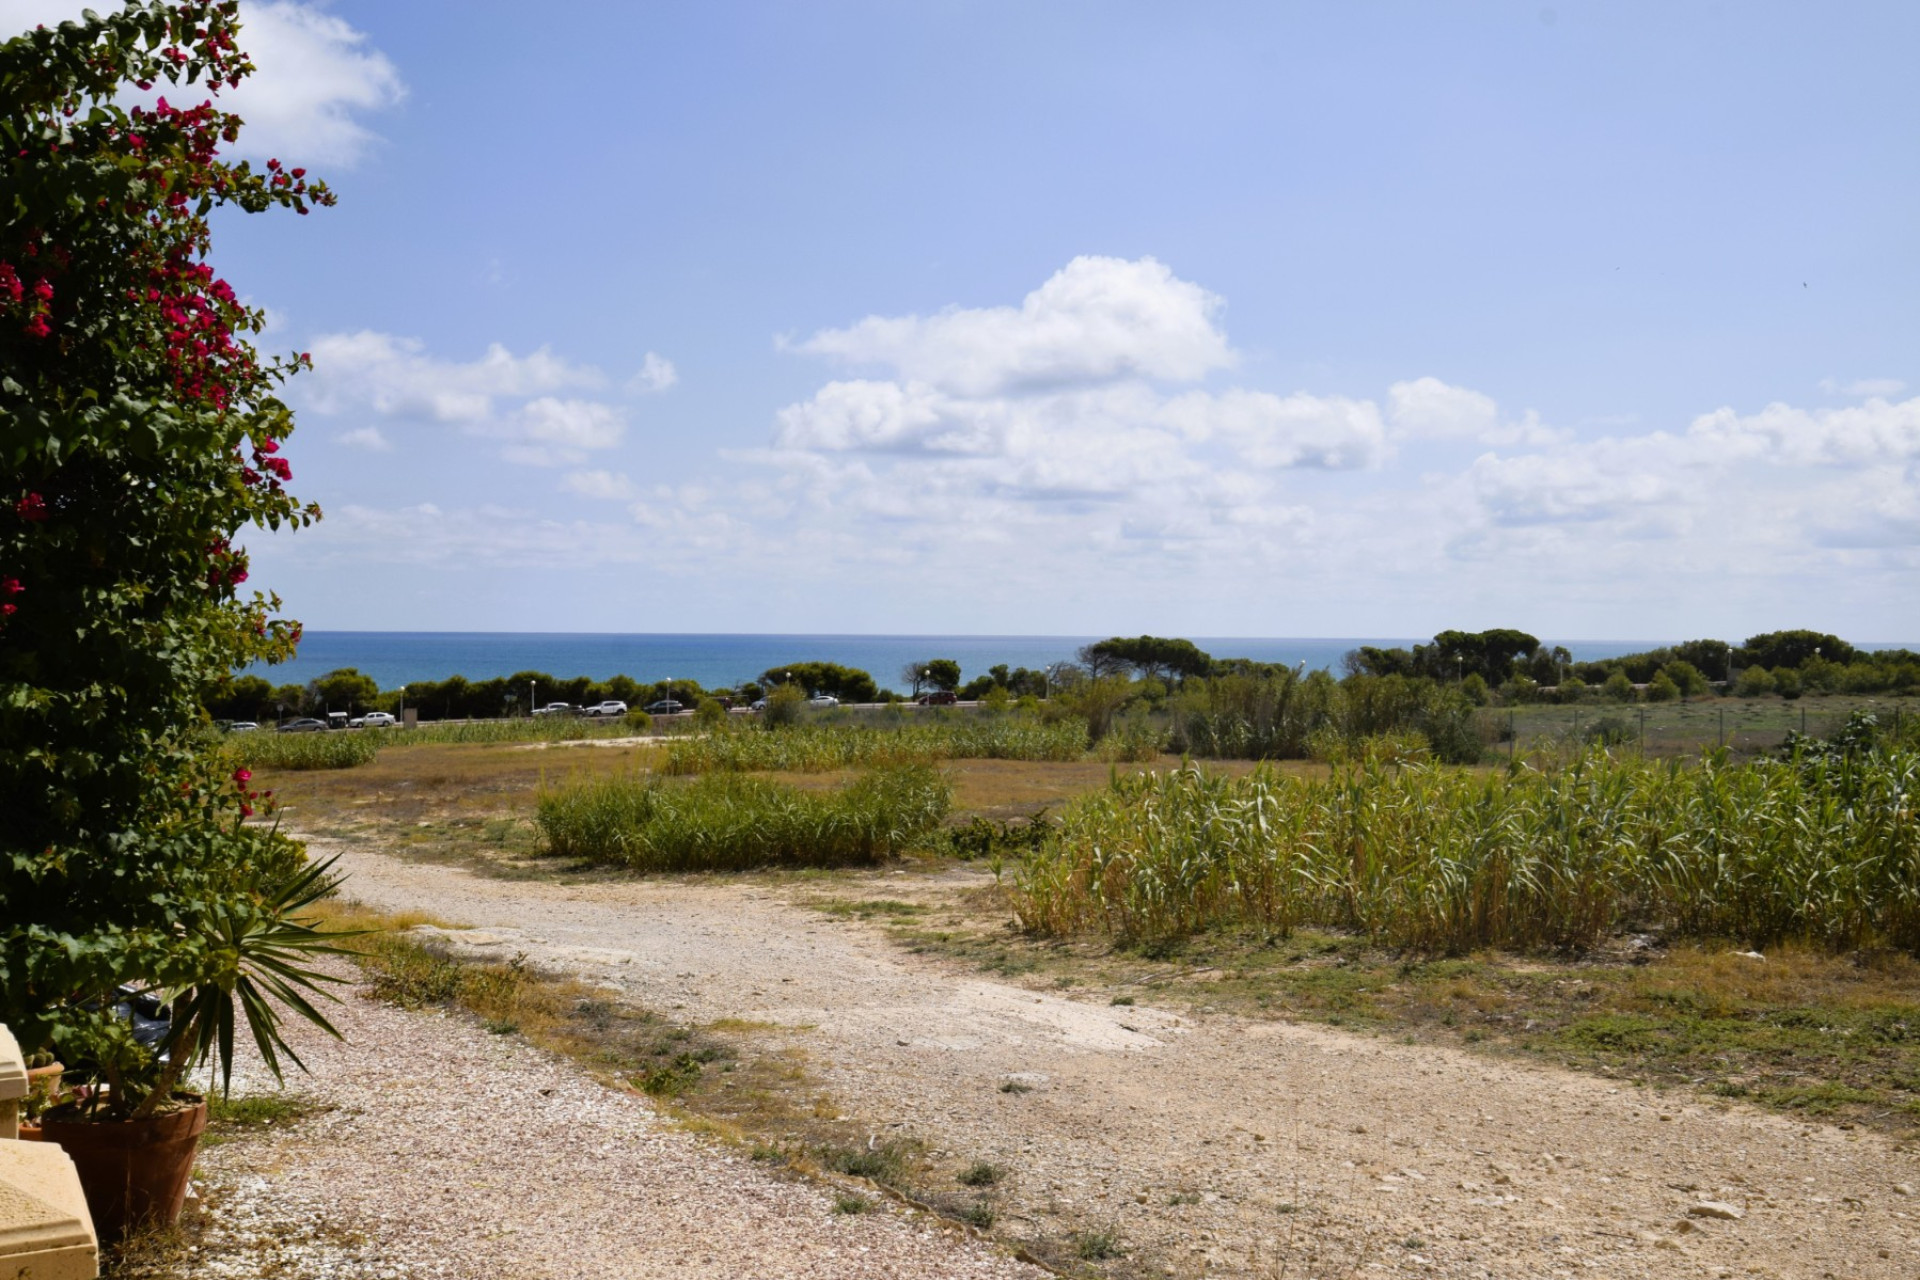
point(449, 1152)
point(1215, 1144)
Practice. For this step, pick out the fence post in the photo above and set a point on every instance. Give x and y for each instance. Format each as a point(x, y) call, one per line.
point(1643, 728)
point(1513, 733)
point(1803, 719)
point(1723, 725)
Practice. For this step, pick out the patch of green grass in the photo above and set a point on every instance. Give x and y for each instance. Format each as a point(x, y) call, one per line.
point(1180, 1198)
point(866, 908)
point(980, 1174)
point(847, 1202)
point(979, 1214)
point(231, 1115)
point(1096, 1246)
point(887, 1163)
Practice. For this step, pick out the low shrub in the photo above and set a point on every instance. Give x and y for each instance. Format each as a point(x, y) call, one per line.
point(727, 822)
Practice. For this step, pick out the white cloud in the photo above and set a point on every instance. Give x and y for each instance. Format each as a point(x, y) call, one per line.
point(1859, 435)
point(1096, 319)
point(1328, 432)
point(1431, 409)
point(368, 438)
point(499, 396)
point(394, 377)
point(1864, 387)
point(1572, 486)
point(656, 374)
point(601, 484)
point(550, 432)
point(315, 77)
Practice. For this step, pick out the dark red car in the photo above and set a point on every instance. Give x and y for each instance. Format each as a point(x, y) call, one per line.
point(938, 698)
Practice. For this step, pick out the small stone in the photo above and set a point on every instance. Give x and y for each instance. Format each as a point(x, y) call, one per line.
point(1903, 1188)
point(1717, 1209)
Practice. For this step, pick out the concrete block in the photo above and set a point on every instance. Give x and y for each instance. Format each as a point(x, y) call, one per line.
point(13, 1083)
point(46, 1232)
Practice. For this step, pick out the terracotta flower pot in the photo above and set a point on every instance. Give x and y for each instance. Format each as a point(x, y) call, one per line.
point(133, 1171)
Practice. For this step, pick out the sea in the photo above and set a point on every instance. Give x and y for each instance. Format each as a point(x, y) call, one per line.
point(395, 658)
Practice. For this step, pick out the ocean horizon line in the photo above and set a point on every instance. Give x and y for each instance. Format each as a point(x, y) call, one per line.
point(722, 659)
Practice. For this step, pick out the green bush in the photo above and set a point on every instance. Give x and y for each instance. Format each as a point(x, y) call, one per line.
point(728, 822)
point(141, 436)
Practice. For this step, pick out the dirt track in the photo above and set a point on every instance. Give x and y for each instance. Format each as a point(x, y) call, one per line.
point(1311, 1152)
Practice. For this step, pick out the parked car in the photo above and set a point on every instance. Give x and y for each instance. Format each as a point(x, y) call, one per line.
point(242, 726)
point(304, 724)
point(938, 698)
point(665, 707)
point(823, 700)
point(554, 709)
point(758, 704)
point(379, 720)
point(611, 707)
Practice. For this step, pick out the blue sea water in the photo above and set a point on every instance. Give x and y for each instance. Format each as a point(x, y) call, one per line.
point(394, 658)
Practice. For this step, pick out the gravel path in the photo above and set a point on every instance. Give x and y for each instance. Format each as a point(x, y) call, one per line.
point(450, 1153)
point(1222, 1146)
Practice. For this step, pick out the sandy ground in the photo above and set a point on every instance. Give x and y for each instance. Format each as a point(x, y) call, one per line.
point(1292, 1150)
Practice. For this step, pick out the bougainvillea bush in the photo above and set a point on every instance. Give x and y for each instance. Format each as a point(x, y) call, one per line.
point(140, 432)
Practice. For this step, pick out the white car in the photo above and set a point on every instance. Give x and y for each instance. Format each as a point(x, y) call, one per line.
point(379, 720)
point(554, 709)
point(242, 726)
point(611, 707)
point(823, 700)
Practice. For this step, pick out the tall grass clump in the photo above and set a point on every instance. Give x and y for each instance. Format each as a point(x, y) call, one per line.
point(322, 750)
point(818, 748)
point(542, 729)
point(1820, 849)
point(729, 822)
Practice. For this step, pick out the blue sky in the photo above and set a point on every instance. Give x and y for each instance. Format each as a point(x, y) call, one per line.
point(1266, 319)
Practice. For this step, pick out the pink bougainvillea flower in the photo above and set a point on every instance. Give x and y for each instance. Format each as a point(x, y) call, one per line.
point(243, 776)
point(32, 507)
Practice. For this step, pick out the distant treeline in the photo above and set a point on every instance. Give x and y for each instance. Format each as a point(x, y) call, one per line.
point(1378, 690)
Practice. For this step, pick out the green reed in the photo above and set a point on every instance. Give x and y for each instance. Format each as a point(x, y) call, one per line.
point(1436, 859)
point(729, 822)
point(323, 749)
point(817, 748)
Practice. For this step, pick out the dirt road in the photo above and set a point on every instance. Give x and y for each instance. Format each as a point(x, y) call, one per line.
point(1213, 1144)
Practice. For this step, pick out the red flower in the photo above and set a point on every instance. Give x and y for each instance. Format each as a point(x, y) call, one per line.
point(8, 610)
point(32, 507)
point(243, 776)
point(11, 587)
